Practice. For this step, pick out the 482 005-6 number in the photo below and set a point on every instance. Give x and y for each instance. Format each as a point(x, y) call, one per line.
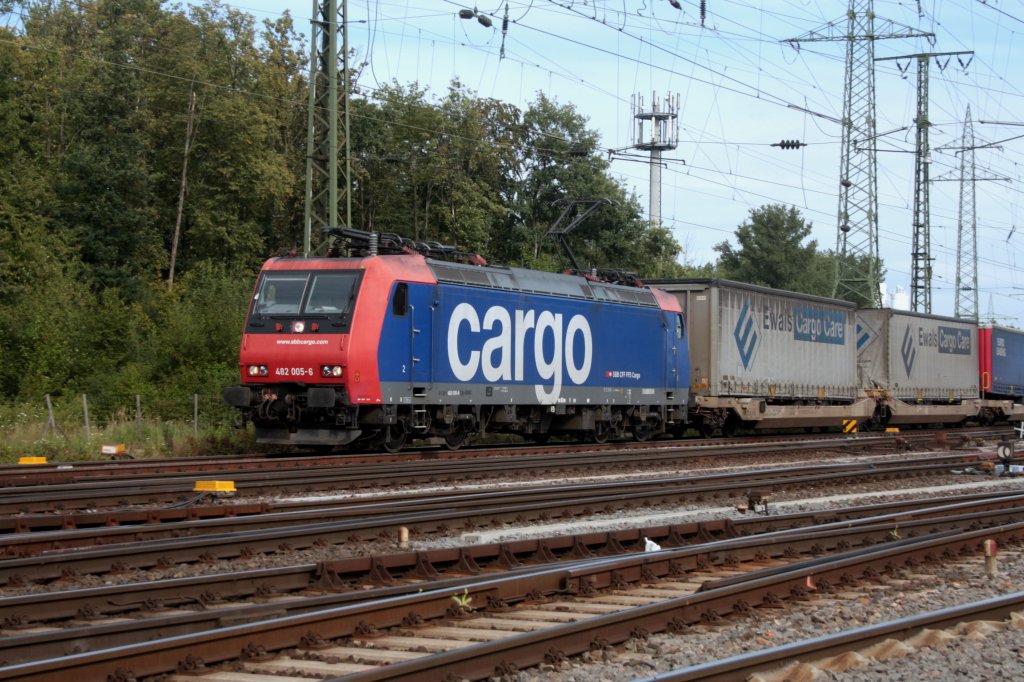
point(294, 372)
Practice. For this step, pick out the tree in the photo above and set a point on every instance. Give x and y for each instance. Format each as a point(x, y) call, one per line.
point(860, 292)
point(771, 253)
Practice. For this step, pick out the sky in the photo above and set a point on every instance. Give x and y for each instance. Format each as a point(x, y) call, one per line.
point(740, 89)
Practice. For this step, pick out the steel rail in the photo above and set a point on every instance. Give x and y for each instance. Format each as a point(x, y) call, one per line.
point(151, 490)
point(237, 541)
point(478, 660)
point(119, 521)
point(814, 650)
point(24, 610)
point(156, 489)
point(483, 660)
point(64, 472)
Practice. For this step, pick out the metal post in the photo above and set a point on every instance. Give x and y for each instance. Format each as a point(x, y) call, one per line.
point(51, 422)
point(195, 413)
point(921, 258)
point(85, 409)
point(858, 269)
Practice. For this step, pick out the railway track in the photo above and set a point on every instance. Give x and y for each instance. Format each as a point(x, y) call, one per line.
point(519, 615)
point(171, 497)
point(147, 480)
point(832, 651)
point(93, 550)
point(54, 609)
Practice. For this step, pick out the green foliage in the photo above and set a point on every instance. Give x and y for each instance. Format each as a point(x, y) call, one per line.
point(94, 110)
point(772, 253)
point(859, 292)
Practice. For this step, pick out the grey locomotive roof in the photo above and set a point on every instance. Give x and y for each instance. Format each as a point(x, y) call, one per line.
point(536, 282)
point(704, 282)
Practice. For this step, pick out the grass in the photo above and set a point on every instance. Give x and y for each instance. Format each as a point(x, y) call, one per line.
point(24, 433)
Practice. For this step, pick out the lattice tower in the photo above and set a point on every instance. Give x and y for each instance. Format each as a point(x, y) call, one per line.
point(328, 161)
point(858, 267)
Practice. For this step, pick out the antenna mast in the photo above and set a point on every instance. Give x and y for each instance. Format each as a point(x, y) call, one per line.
point(663, 122)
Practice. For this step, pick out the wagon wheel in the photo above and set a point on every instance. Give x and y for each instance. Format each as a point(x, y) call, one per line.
point(540, 438)
point(394, 436)
point(706, 429)
point(600, 433)
point(730, 426)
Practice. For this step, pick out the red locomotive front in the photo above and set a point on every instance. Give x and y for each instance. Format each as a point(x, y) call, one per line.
point(309, 348)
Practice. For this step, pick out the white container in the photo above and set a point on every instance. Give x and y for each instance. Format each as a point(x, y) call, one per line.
point(752, 341)
point(917, 357)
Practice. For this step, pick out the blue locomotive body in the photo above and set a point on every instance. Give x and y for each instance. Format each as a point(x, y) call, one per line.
point(439, 349)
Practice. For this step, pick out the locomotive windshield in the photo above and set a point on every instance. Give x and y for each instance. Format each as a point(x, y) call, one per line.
point(289, 293)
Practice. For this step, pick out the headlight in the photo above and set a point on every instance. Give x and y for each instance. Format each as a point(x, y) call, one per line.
point(332, 371)
point(258, 370)
point(298, 327)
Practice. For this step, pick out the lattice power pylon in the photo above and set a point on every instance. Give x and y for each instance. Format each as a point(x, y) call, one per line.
point(858, 266)
point(966, 305)
point(967, 230)
point(328, 161)
point(921, 250)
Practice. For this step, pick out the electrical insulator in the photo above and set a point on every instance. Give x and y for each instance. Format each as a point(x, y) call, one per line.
point(789, 144)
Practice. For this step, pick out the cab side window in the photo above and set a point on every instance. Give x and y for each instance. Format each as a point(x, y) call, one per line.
point(679, 327)
point(400, 302)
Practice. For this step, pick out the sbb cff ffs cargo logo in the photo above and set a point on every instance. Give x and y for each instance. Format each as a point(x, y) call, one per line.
point(504, 356)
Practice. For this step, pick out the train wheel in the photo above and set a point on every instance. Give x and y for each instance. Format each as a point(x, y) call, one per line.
point(540, 438)
point(641, 432)
point(730, 426)
point(394, 436)
point(456, 438)
point(706, 430)
point(600, 433)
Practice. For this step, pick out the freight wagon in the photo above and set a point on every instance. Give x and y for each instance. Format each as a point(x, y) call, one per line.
point(1001, 358)
point(1002, 362)
point(763, 358)
point(921, 368)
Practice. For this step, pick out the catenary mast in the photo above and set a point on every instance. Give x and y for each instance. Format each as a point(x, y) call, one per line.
point(858, 266)
point(328, 161)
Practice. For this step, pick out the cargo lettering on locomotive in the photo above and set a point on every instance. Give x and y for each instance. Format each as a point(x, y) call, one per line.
point(502, 356)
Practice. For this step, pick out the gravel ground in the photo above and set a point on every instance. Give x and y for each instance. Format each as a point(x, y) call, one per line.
point(999, 655)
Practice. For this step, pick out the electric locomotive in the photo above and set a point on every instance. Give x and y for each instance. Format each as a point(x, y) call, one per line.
point(388, 340)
